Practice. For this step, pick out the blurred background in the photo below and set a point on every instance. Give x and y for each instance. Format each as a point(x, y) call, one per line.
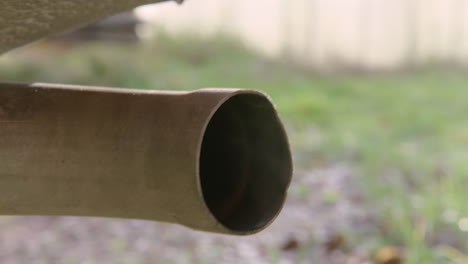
point(373, 94)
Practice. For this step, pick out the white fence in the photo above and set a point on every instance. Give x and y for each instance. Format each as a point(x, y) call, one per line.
point(375, 34)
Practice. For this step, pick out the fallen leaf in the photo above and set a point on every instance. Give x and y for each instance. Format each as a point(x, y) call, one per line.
point(291, 244)
point(334, 242)
point(389, 255)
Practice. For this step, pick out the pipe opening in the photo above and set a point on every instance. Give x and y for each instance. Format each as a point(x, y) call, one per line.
point(245, 163)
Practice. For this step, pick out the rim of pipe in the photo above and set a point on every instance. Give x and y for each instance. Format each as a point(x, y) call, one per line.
point(245, 163)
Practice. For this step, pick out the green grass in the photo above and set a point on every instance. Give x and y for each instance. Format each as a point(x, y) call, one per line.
point(406, 134)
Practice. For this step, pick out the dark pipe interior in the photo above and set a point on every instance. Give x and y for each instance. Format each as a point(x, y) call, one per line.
point(245, 163)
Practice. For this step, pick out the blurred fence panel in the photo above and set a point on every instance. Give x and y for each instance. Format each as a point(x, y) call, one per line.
point(367, 34)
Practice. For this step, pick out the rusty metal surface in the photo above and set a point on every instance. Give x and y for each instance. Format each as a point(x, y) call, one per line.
point(24, 21)
point(215, 159)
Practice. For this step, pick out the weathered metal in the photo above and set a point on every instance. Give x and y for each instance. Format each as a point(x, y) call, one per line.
point(215, 159)
point(24, 21)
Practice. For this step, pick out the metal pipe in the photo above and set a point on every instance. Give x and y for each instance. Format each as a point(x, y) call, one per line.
point(215, 159)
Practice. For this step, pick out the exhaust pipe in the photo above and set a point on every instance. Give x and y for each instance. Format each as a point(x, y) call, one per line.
point(215, 160)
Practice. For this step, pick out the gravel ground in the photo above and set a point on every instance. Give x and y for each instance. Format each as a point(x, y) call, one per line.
point(324, 213)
